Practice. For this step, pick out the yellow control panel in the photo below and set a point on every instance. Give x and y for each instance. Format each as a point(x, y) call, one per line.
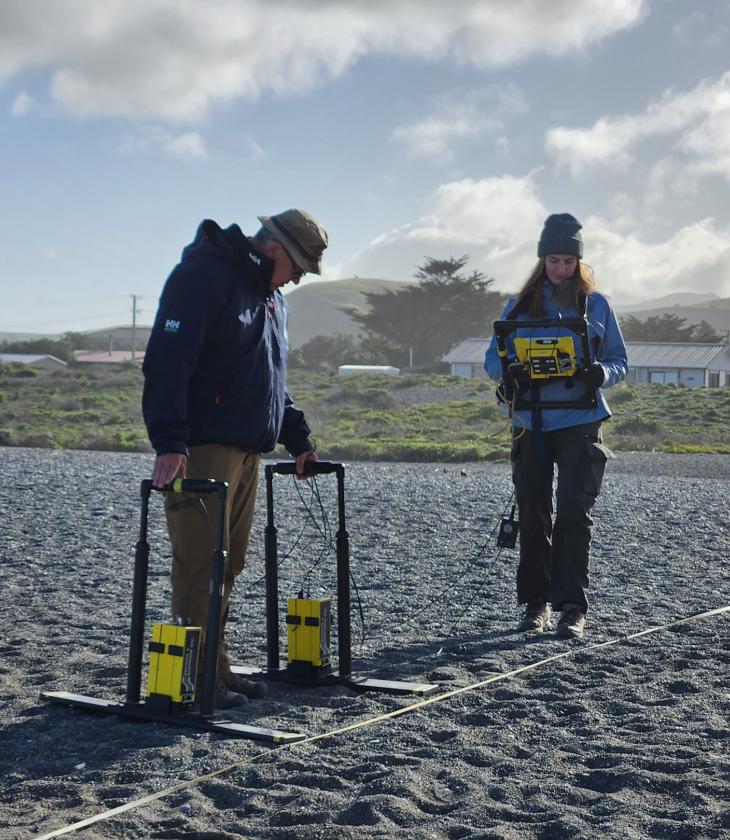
point(547, 356)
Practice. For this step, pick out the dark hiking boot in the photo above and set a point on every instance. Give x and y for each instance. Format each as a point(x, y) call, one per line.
point(572, 622)
point(246, 688)
point(225, 698)
point(536, 616)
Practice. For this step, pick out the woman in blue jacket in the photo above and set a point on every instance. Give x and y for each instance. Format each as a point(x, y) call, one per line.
point(555, 551)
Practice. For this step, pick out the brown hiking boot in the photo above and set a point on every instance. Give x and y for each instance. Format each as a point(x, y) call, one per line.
point(247, 688)
point(536, 616)
point(572, 622)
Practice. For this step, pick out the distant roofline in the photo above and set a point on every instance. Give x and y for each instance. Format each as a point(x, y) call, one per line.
point(687, 343)
point(11, 357)
point(117, 327)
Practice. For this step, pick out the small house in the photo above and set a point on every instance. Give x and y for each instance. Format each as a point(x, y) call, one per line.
point(107, 357)
point(350, 370)
point(42, 361)
point(676, 363)
point(467, 358)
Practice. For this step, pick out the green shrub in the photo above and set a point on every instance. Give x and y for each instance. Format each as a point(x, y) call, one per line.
point(619, 396)
point(372, 397)
point(636, 426)
point(365, 417)
point(406, 381)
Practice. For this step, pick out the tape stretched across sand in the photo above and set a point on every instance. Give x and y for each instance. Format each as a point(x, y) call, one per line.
point(420, 704)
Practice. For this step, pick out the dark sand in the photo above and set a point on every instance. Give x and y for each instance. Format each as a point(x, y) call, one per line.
point(629, 740)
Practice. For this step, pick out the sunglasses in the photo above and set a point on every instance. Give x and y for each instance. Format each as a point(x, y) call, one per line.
point(298, 270)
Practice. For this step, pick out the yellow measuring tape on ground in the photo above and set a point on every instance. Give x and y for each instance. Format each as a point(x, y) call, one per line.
point(420, 704)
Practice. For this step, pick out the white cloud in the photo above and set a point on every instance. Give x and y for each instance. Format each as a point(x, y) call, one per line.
point(189, 145)
point(669, 179)
point(471, 116)
point(634, 270)
point(494, 220)
point(250, 149)
point(699, 30)
point(498, 221)
point(22, 105)
point(690, 27)
point(154, 59)
point(698, 120)
point(707, 141)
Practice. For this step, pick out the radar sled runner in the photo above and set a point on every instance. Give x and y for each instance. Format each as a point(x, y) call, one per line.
point(173, 650)
point(308, 621)
point(173, 694)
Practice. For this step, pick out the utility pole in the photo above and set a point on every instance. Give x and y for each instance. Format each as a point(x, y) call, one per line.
point(134, 323)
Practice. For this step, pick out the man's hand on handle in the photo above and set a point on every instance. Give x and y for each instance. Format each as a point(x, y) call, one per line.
point(301, 460)
point(169, 467)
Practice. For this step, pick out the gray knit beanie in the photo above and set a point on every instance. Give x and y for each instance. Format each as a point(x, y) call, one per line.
point(561, 235)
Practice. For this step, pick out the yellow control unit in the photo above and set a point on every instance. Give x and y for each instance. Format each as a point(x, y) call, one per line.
point(547, 356)
point(173, 662)
point(309, 626)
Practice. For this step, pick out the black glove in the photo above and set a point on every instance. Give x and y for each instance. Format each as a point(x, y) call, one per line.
point(593, 375)
point(519, 374)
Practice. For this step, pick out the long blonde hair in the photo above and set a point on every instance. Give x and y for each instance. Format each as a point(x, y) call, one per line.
point(582, 280)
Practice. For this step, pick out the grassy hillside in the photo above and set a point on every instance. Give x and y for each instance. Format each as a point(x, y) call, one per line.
point(412, 417)
point(717, 303)
point(318, 308)
point(26, 336)
point(706, 299)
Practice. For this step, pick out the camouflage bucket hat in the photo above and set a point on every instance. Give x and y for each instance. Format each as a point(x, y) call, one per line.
point(302, 236)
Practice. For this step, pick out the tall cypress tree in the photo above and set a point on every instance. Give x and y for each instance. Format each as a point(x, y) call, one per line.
point(430, 317)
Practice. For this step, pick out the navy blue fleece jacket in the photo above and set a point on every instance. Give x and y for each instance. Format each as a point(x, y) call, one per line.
point(215, 364)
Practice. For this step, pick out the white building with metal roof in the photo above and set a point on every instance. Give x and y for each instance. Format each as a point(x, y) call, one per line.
point(467, 358)
point(36, 360)
point(659, 362)
point(675, 363)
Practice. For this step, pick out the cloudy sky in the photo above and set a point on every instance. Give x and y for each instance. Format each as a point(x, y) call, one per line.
point(411, 129)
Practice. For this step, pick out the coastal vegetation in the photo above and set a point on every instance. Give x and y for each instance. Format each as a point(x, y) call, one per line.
point(413, 417)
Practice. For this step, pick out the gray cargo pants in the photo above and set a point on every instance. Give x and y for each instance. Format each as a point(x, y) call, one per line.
point(555, 556)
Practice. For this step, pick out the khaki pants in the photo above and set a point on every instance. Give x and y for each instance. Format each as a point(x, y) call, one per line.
point(192, 522)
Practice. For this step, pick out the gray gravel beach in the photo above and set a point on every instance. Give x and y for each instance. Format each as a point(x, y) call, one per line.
point(626, 740)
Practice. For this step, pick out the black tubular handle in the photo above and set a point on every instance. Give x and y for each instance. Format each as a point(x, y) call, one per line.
point(186, 485)
point(576, 325)
point(310, 467)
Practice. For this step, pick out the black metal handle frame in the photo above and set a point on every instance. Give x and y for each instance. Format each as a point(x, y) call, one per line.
point(219, 560)
point(312, 468)
point(577, 326)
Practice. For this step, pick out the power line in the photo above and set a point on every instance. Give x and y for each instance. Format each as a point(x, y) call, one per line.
point(31, 327)
point(117, 313)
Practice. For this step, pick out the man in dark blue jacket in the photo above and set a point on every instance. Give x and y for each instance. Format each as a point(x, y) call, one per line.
point(215, 396)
